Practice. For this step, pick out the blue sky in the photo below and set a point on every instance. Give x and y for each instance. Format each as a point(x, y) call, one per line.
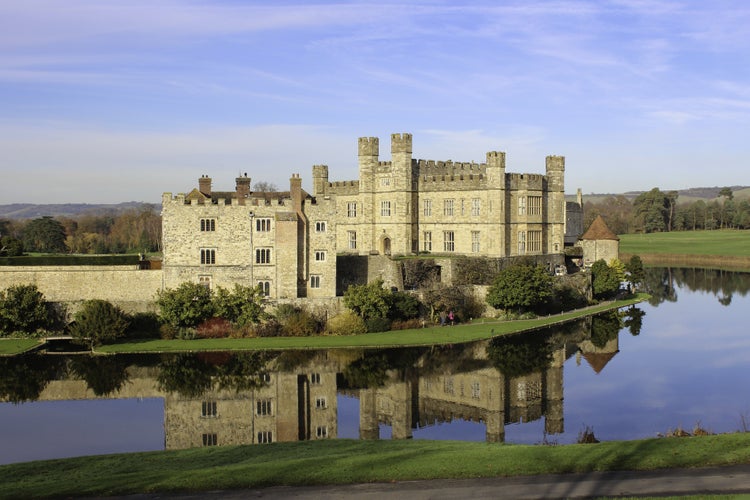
point(112, 100)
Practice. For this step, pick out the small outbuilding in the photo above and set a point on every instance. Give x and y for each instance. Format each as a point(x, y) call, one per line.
point(599, 243)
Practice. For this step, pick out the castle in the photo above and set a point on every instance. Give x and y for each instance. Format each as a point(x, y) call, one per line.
point(288, 243)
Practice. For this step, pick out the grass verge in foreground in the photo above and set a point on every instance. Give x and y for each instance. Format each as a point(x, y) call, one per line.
point(469, 332)
point(349, 461)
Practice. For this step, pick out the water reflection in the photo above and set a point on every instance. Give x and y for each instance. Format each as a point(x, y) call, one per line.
point(260, 397)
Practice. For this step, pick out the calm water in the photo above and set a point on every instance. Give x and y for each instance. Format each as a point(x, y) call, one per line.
point(683, 364)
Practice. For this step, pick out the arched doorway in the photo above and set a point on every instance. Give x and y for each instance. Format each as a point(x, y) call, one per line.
point(385, 245)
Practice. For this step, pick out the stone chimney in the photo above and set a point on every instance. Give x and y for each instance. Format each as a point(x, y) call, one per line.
point(243, 188)
point(204, 185)
point(295, 190)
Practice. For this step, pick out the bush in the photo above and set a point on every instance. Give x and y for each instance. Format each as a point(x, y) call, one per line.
point(520, 287)
point(24, 309)
point(300, 324)
point(270, 328)
point(214, 328)
point(143, 325)
point(186, 306)
point(378, 324)
point(97, 322)
point(407, 324)
point(346, 323)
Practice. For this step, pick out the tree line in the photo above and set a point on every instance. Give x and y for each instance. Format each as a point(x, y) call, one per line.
point(661, 211)
point(134, 230)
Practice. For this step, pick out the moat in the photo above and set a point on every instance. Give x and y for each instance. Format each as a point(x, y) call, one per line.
point(677, 361)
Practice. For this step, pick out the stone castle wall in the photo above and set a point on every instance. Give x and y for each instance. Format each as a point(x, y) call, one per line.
point(127, 286)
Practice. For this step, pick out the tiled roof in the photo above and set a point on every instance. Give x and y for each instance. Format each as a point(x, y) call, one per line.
point(598, 230)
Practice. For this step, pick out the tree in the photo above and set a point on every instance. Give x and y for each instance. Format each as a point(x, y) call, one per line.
point(23, 308)
point(634, 266)
point(368, 301)
point(44, 235)
point(654, 210)
point(10, 246)
point(521, 287)
point(605, 280)
point(186, 306)
point(265, 187)
point(97, 322)
point(242, 306)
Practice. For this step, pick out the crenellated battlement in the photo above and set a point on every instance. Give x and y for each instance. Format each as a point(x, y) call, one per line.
point(401, 144)
point(534, 182)
point(342, 188)
point(368, 146)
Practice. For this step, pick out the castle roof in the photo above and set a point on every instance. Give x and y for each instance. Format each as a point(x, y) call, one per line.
point(598, 360)
point(598, 230)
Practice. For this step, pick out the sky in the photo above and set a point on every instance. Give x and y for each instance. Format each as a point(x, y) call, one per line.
point(108, 101)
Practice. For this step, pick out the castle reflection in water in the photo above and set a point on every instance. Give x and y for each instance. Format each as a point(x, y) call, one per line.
point(292, 396)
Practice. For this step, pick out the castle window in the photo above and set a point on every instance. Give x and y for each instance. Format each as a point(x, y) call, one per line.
point(534, 205)
point(208, 256)
point(263, 256)
point(265, 378)
point(321, 403)
point(210, 440)
point(385, 181)
point(208, 224)
point(462, 206)
point(475, 239)
point(475, 392)
point(205, 281)
point(265, 288)
point(476, 207)
point(265, 437)
point(320, 255)
point(315, 378)
point(208, 409)
point(352, 237)
point(315, 281)
point(534, 242)
point(521, 205)
point(385, 208)
point(263, 225)
point(449, 244)
point(427, 208)
point(351, 209)
point(321, 431)
point(427, 241)
point(448, 207)
point(448, 385)
point(320, 226)
point(521, 242)
point(264, 407)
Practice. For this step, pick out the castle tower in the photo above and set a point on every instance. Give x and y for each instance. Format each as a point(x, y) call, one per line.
point(204, 185)
point(368, 152)
point(555, 213)
point(496, 170)
point(320, 179)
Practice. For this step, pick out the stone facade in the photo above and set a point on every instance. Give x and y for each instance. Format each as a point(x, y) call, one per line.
point(288, 242)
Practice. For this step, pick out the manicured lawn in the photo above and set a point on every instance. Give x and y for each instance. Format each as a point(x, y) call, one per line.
point(348, 461)
point(478, 330)
point(726, 243)
point(9, 347)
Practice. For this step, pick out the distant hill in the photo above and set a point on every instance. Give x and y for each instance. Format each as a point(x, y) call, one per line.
point(684, 195)
point(32, 211)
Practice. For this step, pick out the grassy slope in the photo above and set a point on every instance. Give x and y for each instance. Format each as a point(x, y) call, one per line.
point(481, 329)
point(9, 347)
point(725, 243)
point(349, 461)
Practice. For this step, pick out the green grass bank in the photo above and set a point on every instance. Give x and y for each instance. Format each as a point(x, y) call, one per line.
point(469, 332)
point(725, 248)
point(349, 461)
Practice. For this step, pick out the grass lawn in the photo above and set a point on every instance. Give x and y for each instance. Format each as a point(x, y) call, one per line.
point(724, 243)
point(477, 330)
point(10, 347)
point(348, 461)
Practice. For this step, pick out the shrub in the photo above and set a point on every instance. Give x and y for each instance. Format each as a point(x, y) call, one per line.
point(24, 309)
point(300, 324)
point(346, 323)
point(378, 324)
point(186, 306)
point(214, 328)
point(97, 322)
point(270, 328)
point(143, 325)
point(407, 324)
